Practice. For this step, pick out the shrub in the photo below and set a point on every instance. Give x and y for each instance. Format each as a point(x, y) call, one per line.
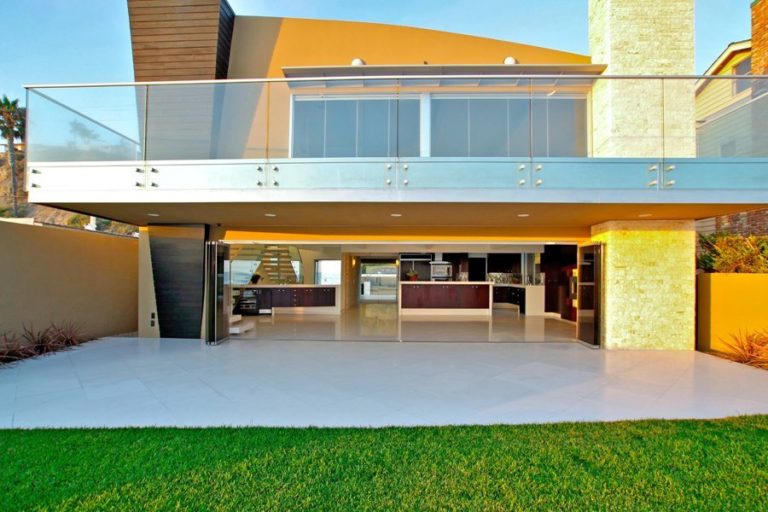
point(722, 252)
point(749, 348)
point(41, 342)
point(13, 348)
point(78, 220)
point(68, 334)
point(33, 342)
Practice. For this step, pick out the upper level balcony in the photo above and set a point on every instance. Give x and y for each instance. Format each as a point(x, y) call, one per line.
point(432, 137)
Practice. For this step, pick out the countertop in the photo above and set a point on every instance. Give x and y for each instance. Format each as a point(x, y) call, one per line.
point(287, 286)
point(463, 283)
point(519, 285)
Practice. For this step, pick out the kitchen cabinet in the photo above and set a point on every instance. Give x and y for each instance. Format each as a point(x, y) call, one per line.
point(252, 300)
point(445, 296)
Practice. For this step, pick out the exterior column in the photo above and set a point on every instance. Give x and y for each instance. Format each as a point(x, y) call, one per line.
point(643, 118)
point(649, 284)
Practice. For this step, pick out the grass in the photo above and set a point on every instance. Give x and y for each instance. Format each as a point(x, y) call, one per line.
point(646, 465)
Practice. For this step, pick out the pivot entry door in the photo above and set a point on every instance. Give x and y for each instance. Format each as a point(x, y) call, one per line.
point(589, 312)
point(219, 293)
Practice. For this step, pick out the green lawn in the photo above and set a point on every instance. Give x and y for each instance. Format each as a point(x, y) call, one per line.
point(651, 465)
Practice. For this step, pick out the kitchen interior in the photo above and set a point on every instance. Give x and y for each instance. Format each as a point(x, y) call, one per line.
point(482, 292)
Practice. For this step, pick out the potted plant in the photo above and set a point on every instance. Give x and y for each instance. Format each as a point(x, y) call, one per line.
point(412, 275)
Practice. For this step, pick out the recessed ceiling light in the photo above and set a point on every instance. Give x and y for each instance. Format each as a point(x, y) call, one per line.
point(523, 215)
point(551, 243)
point(645, 215)
point(395, 214)
point(270, 215)
point(153, 215)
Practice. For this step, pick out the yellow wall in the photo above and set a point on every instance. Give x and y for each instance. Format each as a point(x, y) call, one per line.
point(730, 304)
point(648, 294)
point(262, 46)
point(50, 274)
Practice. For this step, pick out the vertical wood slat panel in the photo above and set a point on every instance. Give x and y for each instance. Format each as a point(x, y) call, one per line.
point(161, 30)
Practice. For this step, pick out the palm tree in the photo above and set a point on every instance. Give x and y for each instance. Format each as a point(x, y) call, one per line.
point(12, 119)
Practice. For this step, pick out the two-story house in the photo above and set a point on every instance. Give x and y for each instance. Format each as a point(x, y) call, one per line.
point(369, 173)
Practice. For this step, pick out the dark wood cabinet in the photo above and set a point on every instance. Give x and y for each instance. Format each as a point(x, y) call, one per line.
point(324, 297)
point(251, 300)
point(445, 296)
point(281, 297)
point(474, 296)
point(414, 296)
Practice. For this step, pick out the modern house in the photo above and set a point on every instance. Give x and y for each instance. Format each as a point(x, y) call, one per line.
point(379, 179)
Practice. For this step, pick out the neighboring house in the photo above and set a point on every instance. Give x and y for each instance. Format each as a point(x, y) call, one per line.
point(327, 156)
point(732, 116)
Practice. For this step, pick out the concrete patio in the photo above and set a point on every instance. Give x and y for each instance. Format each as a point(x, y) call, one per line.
point(118, 382)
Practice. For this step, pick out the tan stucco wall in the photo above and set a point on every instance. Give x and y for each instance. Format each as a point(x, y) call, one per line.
point(649, 284)
point(646, 118)
point(147, 304)
point(50, 274)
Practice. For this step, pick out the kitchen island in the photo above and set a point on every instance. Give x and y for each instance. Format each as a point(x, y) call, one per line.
point(450, 298)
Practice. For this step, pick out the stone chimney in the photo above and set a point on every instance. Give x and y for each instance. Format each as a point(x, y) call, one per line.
point(760, 37)
point(650, 37)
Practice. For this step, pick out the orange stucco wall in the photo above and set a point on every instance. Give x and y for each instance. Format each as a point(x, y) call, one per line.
point(728, 305)
point(262, 46)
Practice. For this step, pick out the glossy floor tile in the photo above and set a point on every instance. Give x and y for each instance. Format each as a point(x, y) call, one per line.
point(142, 382)
point(380, 322)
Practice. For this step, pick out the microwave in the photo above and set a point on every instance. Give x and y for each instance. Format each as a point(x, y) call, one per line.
point(439, 269)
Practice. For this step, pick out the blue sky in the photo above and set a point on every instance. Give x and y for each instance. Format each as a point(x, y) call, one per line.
point(64, 41)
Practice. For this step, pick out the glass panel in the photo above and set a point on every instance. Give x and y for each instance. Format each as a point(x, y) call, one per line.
point(559, 127)
point(567, 126)
point(408, 126)
point(728, 126)
point(539, 128)
point(308, 129)
point(450, 127)
point(373, 133)
point(206, 121)
point(340, 128)
point(519, 115)
point(488, 122)
point(378, 280)
point(85, 124)
point(328, 272)
point(355, 128)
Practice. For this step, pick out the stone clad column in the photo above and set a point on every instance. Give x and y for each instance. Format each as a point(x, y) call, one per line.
point(649, 284)
point(649, 118)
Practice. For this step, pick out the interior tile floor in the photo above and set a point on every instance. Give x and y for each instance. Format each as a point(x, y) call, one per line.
point(380, 322)
point(118, 382)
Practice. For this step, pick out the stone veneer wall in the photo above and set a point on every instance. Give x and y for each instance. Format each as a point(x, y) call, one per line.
point(649, 284)
point(649, 118)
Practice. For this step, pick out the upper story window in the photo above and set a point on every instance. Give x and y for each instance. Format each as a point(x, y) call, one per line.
point(508, 127)
point(344, 127)
point(743, 68)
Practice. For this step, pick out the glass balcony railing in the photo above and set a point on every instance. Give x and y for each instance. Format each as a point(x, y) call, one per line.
point(417, 132)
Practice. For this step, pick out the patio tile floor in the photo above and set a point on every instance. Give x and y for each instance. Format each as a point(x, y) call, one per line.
point(148, 382)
